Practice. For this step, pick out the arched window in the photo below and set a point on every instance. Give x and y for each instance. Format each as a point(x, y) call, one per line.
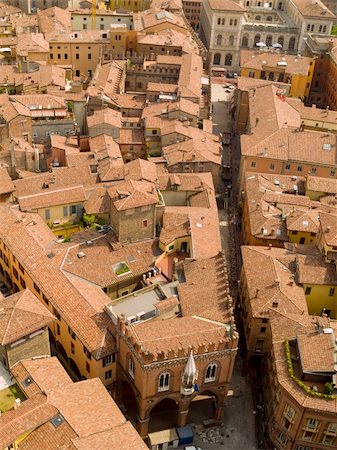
point(269, 19)
point(245, 40)
point(280, 5)
point(231, 22)
point(235, 22)
point(228, 60)
point(324, 29)
point(164, 382)
point(258, 3)
point(216, 59)
point(269, 40)
point(281, 40)
point(270, 4)
point(223, 21)
point(219, 39)
point(247, 3)
point(258, 18)
point(257, 38)
point(292, 41)
point(219, 21)
point(210, 373)
point(231, 41)
point(312, 27)
point(320, 28)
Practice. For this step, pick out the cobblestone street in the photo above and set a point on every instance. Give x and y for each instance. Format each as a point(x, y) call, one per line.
point(238, 429)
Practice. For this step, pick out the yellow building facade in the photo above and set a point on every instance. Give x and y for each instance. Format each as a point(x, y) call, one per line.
point(300, 83)
point(69, 347)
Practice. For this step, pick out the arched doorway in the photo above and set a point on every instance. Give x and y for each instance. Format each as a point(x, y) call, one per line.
point(164, 415)
point(74, 368)
point(202, 407)
point(129, 401)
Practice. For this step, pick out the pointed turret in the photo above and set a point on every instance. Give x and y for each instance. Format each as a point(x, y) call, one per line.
point(189, 376)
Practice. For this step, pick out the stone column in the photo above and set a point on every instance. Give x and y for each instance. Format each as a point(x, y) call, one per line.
point(143, 427)
point(182, 418)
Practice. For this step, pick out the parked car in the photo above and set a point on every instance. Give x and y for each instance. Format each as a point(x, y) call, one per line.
point(192, 447)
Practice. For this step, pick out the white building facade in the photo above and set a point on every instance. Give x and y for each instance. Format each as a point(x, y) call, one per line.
point(229, 25)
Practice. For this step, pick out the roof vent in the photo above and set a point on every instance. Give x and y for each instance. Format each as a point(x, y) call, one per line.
point(80, 254)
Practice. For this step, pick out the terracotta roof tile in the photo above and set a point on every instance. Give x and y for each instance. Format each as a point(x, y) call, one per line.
point(21, 314)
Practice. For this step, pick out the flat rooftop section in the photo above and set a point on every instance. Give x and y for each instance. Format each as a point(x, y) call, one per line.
point(140, 305)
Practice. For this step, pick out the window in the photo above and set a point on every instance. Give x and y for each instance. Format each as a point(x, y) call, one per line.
point(58, 331)
point(219, 39)
point(77, 73)
point(299, 168)
point(73, 209)
point(15, 273)
point(216, 59)
point(87, 366)
point(332, 292)
point(263, 329)
point(312, 424)
point(259, 345)
point(131, 368)
point(72, 348)
point(231, 41)
point(108, 374)
point(281, 40)
point(228, 60)
point(47, 214)
point(231, 22)
point(308, 290)
point(145, 223)
point(313, 170)
point(210, 373)
point(86, 352)
point(294, 232)
point(109, 359)
point(36, 287)
point(223, 22)
point(219, 21)
point(164, 382)
point(264, 320)
point(57, 314)
point(77, 56)
point(332, 173)
point(65, 211)
point(282, 438)
point(292, 41)
point(154, 131)
point(308, 27)
point(72, 334)
point(288, 166)
point(51, 56)
point(23, 283)
point(45, 299)
point(245, 40)
point(251, 74)
point(253, 164)
point(89, 55)
point(272, 166)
